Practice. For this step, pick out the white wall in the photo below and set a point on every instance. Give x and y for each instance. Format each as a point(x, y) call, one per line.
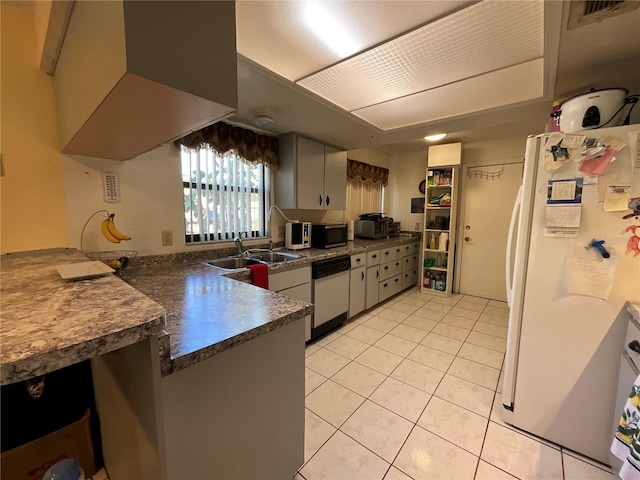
point(494, 151)
point(409, 170)
point(151, 201)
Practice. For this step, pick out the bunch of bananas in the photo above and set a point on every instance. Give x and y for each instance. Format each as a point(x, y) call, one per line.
point(110, 231)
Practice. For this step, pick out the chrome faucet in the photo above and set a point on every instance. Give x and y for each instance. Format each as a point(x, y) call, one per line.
point(238, 242)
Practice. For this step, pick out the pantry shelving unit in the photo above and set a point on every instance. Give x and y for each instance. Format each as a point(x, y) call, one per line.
point(437, 270)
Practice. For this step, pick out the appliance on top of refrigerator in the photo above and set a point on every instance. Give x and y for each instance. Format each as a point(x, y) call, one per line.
point(563, 349)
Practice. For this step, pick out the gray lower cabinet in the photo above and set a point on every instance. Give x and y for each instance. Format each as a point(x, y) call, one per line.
point(295, 283)
point(357, 284)
point(357, 290)
point(389, 287)
point(388, 272)
point(373, 282)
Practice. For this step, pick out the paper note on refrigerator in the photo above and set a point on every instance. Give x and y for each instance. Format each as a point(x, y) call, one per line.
point(563, 216)
point(635, 150)
point(617, 198)
point(589, 273)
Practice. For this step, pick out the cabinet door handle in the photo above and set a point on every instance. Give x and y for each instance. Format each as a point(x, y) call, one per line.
point(377, 273)
point(374, 256)
point(386, 253)
point(386, 268)
point(328, 200)
point(635, 346)
point(358, 260)
point(397, 279)
point(319, 199)
point(362, 276)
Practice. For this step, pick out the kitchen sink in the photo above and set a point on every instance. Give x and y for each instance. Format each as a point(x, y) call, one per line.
point(273, 257)
point(236, 263)
point(232, 263)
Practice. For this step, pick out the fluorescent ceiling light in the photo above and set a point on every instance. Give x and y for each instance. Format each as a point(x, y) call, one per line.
point(436, 137)
point(327, 29)
point(485, 37)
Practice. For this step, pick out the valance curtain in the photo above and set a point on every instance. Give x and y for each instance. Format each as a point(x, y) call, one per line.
point(367, 174)
point(222, 138)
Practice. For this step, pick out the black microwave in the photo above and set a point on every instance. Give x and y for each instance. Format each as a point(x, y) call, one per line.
point(328, 235)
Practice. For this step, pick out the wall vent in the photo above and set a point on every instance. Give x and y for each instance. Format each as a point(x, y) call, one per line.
point(584, 12)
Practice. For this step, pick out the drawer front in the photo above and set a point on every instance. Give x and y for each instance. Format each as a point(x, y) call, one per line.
point(409, 279)
point(390, 269)
point(389, 254)
point(415, 248)
point(282, 280)
point(633, 334)
point(373, 258)
point(409, 263)
point(358, 260)
point(407, 249)
point(389, 287)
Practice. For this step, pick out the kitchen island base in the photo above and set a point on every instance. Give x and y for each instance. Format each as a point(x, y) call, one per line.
point(236, 415)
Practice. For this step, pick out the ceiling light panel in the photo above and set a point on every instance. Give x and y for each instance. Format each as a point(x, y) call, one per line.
point(484, 37)
point(519, 83)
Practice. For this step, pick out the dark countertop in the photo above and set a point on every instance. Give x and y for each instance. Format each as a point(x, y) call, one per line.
point(49, 323)
point(208, 312)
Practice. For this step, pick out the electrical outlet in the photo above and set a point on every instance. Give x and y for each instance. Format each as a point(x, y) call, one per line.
point(281, 232)
point(167, 238)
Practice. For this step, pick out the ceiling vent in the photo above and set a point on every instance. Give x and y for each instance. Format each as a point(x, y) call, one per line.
point(585, 12)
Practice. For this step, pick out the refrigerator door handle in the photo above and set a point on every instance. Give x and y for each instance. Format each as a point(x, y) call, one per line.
point(515, 215)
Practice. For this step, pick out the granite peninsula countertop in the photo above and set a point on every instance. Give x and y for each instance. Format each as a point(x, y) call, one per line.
point(49, 323)
point(209, 312)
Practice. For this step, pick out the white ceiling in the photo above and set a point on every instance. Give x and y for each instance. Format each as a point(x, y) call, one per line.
point(277, 49)
point(448, 51)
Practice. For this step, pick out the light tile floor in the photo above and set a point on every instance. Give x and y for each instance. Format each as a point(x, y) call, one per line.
point(411, 390)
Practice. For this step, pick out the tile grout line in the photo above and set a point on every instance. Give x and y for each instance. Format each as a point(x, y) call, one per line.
point(404, 357)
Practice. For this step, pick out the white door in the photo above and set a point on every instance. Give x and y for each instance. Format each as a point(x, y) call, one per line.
point(489, 192)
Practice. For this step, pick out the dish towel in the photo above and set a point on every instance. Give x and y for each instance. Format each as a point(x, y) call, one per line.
point(260, 275)
point(626, 441)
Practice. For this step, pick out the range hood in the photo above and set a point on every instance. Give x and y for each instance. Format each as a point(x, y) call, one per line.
point(133, 75)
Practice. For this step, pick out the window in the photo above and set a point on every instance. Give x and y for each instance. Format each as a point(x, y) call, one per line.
point(224, 196)
point(364, 198)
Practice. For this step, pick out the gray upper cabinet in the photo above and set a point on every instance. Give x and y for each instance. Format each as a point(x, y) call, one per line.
point(311, 176)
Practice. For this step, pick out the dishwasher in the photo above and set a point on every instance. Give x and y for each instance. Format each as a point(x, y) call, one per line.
point(330, 285)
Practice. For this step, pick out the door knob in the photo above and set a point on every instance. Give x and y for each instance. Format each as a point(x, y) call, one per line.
point(467, 239)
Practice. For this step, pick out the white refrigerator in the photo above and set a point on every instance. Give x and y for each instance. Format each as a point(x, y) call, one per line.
point(563, 349)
